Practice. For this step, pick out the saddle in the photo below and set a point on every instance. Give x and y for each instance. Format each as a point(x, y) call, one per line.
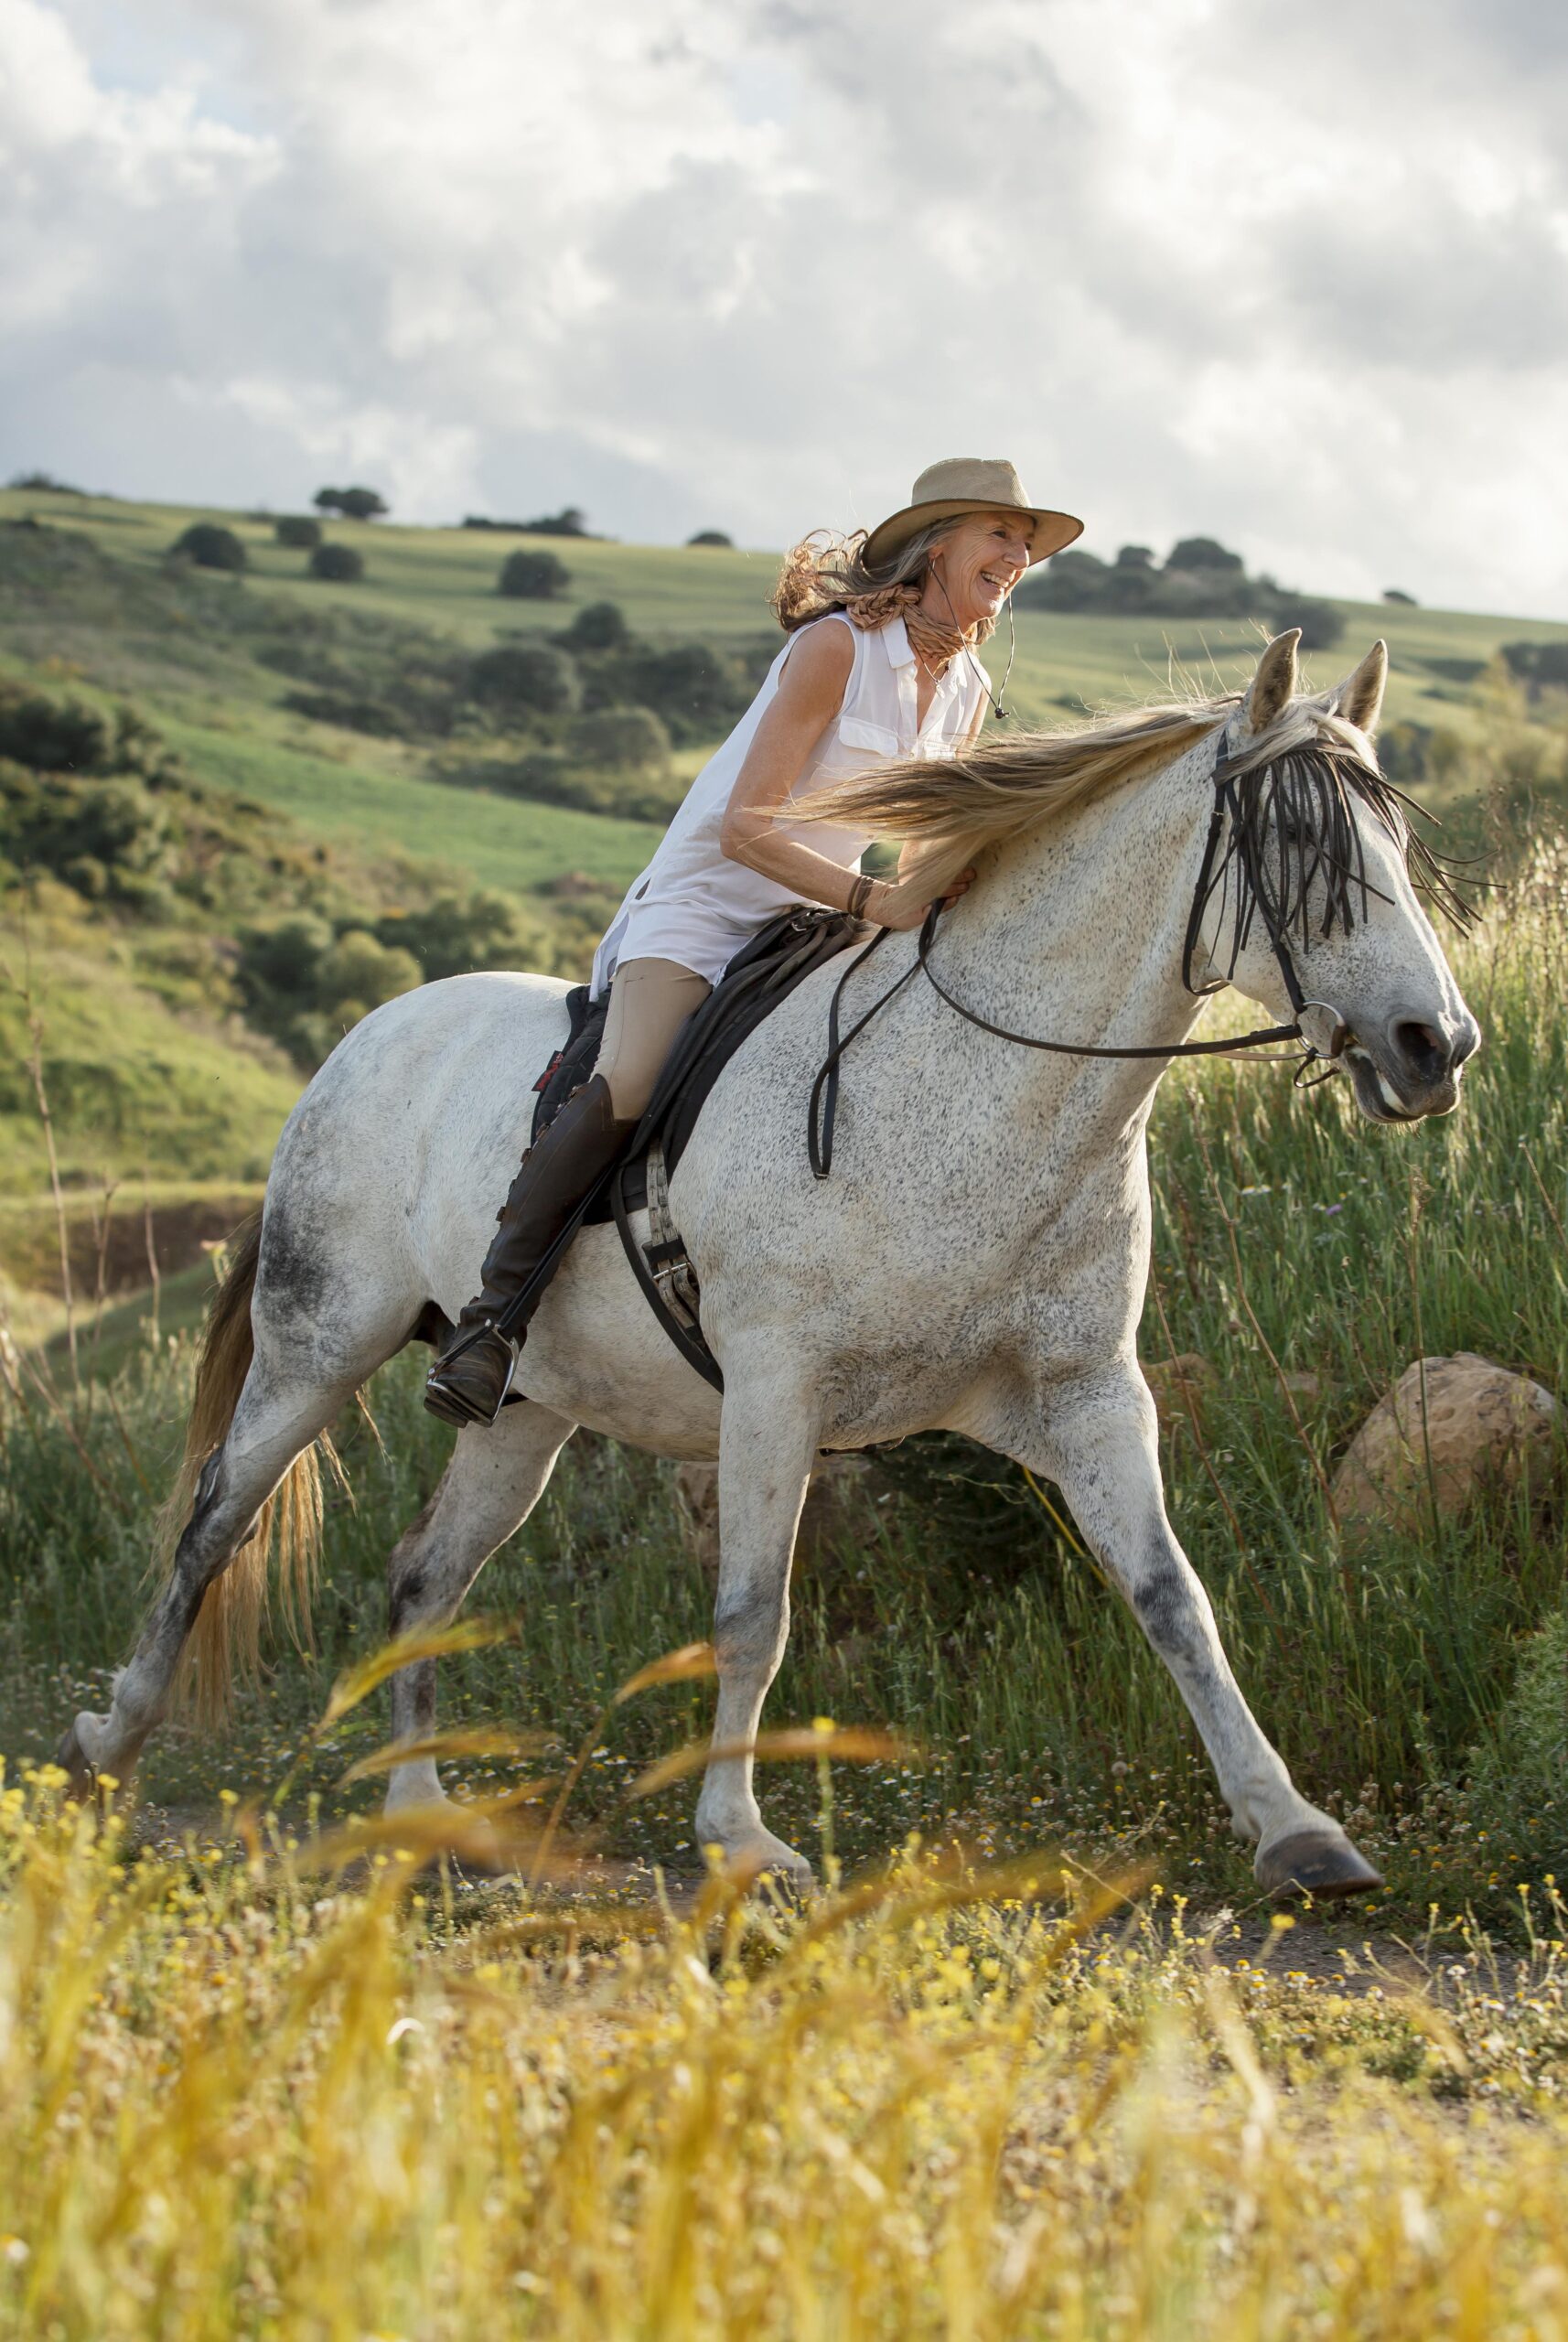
point(780, 956)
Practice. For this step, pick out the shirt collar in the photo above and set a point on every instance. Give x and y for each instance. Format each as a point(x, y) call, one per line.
point(897, 636)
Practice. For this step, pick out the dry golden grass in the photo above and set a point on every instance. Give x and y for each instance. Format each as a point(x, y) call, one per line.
point(240, 2097)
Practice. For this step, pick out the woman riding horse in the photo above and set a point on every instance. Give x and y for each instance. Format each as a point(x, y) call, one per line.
point(880, 663)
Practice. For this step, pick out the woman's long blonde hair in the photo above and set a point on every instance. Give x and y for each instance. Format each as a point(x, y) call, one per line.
point(952, 809)
point(826, 572)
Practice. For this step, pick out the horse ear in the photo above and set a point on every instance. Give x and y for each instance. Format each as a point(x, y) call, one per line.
point(1273, 686)
point(1359, 698)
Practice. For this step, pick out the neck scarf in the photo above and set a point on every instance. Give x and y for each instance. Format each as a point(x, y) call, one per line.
point(934, 643)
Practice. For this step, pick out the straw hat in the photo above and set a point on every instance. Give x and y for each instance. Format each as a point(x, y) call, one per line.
point(969, 484)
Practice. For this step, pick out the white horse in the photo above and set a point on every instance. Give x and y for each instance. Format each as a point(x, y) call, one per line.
point(976, 1262)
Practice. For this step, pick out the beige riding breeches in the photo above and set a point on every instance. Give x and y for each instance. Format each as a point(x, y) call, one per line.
point(650, 1001)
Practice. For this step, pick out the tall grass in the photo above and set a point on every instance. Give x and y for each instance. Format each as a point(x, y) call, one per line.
point(247, 2099)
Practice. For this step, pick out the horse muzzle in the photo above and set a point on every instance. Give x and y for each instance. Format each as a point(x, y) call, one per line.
point(1409, 1067)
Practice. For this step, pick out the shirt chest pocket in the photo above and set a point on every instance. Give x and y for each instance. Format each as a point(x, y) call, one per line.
point(855, 732)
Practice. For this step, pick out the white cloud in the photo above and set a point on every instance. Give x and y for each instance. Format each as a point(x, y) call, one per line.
point(751, 263)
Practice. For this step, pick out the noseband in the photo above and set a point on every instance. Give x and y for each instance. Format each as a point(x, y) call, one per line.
point(822, 1112)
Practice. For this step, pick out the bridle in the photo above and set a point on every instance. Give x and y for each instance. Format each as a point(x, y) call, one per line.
point(822, 1112)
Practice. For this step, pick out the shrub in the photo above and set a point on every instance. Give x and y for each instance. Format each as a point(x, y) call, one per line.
point(570, 521)
point(370, 716)
point(210, 547)
point(1320, 623)
point(1519, 1780)
point(1072, 581)
point(1396, 594)
point(696, 689)
point(549, 777)
point(282, 960)
point(44, 484)
point(456, 933)
point(524, 676)
point(358, 973)
point(338, 563)
point(599, 625)
point(298, 531)
point(623, 739)
point(52, 736)
point(101, 836)
point(533, 576)
point(1541, 666)
point(710, 537)
point(302, 985)
point(353, 503)
point(1203, 552)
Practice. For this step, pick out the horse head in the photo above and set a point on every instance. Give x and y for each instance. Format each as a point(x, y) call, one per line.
point(1317, 876)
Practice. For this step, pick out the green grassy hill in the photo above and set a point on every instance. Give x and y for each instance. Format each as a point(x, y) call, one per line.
point(445, 578)
point(159, 1063)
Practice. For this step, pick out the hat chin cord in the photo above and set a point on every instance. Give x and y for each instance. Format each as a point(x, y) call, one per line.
point(1003, 715)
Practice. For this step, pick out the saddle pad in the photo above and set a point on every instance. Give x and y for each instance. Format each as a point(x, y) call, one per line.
point(574, 1060)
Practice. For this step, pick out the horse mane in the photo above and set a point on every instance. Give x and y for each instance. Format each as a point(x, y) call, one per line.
point(954, 809)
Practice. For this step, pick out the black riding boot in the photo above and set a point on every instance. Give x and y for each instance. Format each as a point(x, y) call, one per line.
point(470, 1380)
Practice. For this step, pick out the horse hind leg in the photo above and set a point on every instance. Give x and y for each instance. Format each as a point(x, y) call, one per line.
point(291, 1335)
point(492, 1484)
point(274, 1427)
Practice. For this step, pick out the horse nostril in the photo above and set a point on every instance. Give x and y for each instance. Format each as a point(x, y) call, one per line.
point(1423, 1048)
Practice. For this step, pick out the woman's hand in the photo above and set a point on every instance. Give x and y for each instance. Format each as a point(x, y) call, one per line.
point(904, 908)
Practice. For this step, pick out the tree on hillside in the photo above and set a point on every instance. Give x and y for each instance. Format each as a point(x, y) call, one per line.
point(353, 503)
point(599, 625)
point(1203, 552)
point(524, 678)
point(298, 531)
point(619, 739)
point(210, 547)
point(1395, 594)
point(533, 576)
point(339, 564)
point(570, 521)
point(711, 537)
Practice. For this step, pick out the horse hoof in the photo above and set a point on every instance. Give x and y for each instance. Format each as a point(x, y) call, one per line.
point(1314, 1862)
point(82, 1780)
point(767, 1861)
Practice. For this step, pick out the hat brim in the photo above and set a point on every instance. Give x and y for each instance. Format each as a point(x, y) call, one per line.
point(1051, 530)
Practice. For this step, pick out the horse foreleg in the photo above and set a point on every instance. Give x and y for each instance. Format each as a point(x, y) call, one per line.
point(492, 1484)
point(1104, 1455)
point(768, 1441)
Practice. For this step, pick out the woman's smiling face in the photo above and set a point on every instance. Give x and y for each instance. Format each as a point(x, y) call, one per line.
point(977, 566)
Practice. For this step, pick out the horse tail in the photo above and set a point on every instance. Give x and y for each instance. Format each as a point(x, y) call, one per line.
point(225, 1640)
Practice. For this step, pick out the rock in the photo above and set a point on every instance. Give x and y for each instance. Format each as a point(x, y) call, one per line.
point(1179, 1385)
point(832, 1520)
point(1484, 1427)
point(1306, 1390)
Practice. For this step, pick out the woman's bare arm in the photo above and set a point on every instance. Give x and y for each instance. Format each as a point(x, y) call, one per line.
point(811, 692)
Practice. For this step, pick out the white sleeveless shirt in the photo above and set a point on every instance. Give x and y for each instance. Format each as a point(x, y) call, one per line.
point(692, 903)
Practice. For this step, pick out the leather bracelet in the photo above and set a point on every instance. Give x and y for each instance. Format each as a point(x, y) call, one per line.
point(859, 895)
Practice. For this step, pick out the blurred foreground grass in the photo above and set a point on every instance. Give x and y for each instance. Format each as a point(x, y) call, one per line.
point(245, 2097)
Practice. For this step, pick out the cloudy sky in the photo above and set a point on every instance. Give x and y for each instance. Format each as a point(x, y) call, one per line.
point(1297, 278)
